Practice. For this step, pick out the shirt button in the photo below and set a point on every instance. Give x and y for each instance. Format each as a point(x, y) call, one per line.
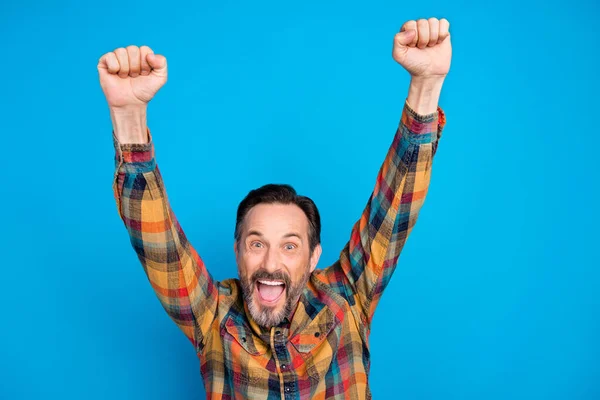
point(283, 366)
point(317, 334)
point(287, 389)
point(278, 332)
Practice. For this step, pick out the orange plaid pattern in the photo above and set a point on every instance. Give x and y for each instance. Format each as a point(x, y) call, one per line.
point(323, 351)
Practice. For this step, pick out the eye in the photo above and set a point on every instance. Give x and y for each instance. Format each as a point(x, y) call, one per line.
point(290, 246)
point(256, 245)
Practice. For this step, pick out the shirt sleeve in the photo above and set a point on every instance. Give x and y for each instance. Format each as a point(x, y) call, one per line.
point(369, 258)
point(175, 270)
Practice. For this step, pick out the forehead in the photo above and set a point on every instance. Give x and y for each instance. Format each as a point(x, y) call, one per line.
point(276, 219)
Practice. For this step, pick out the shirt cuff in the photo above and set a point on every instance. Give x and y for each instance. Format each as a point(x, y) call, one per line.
point(134, 158)
point(422, 129)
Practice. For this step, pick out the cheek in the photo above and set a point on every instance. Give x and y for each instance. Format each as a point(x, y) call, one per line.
point(298, 268)
point(250, 263)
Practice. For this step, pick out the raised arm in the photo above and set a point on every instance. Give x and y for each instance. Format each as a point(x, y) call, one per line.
point(176, 272)
point(370, 257)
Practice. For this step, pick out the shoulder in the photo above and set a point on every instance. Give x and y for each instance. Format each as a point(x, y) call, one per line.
point(230, 295)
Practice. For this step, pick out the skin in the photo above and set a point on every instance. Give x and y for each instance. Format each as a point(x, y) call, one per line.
point(131, 76)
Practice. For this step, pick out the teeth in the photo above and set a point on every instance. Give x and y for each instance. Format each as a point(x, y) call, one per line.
point(271, 283)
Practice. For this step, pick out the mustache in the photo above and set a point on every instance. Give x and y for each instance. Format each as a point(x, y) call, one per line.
point(275, 276)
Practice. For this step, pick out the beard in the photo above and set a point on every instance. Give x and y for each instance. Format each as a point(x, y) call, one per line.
point(270, 316)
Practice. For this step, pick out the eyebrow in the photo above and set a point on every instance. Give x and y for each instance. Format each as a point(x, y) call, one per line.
point(287, 235)
point(293, 234)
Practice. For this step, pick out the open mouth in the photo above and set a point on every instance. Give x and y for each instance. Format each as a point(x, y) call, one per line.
point(270, 291)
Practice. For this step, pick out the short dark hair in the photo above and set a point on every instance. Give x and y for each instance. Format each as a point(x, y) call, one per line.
point(282, 194)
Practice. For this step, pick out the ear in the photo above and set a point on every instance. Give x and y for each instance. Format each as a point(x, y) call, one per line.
point(314, 259)
point(235, 249)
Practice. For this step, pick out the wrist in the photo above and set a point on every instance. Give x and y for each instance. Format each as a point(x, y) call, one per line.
point(130, 124)
point(424, 94)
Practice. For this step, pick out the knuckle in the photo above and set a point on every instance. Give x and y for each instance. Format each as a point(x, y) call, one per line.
point(409, 24)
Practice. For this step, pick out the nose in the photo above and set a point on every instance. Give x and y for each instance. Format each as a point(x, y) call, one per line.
point(271, 262)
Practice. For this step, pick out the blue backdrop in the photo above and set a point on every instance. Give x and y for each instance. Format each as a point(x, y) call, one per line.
point(496, 295)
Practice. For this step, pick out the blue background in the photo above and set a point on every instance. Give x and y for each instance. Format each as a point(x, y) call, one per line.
point(496, 295)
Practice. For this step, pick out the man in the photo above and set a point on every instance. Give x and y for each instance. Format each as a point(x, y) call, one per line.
point(284, 329)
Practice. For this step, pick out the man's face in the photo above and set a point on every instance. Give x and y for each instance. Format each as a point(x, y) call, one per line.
point(274, 260)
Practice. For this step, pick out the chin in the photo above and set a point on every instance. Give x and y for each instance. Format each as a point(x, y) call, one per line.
point(267, 313)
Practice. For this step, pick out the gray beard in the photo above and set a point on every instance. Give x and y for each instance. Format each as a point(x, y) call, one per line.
point(267, 316)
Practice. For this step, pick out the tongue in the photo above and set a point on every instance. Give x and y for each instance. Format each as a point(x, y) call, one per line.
point(269, 292)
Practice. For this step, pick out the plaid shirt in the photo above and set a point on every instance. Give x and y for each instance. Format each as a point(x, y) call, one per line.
point(323, 352)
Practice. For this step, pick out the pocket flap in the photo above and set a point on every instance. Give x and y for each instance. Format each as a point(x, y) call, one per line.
point(245, 337)
point(313, 334)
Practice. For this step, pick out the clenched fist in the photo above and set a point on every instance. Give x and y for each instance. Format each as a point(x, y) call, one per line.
point(423, 47)
point(131, 76)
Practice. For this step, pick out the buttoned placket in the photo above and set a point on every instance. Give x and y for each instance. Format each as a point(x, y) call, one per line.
point(283, 360)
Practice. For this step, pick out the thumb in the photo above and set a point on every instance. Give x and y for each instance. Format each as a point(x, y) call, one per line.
point(404, 38)
point(157, 62)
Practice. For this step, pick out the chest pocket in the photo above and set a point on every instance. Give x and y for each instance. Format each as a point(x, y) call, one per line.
point(243, 335)
point(324, 327)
